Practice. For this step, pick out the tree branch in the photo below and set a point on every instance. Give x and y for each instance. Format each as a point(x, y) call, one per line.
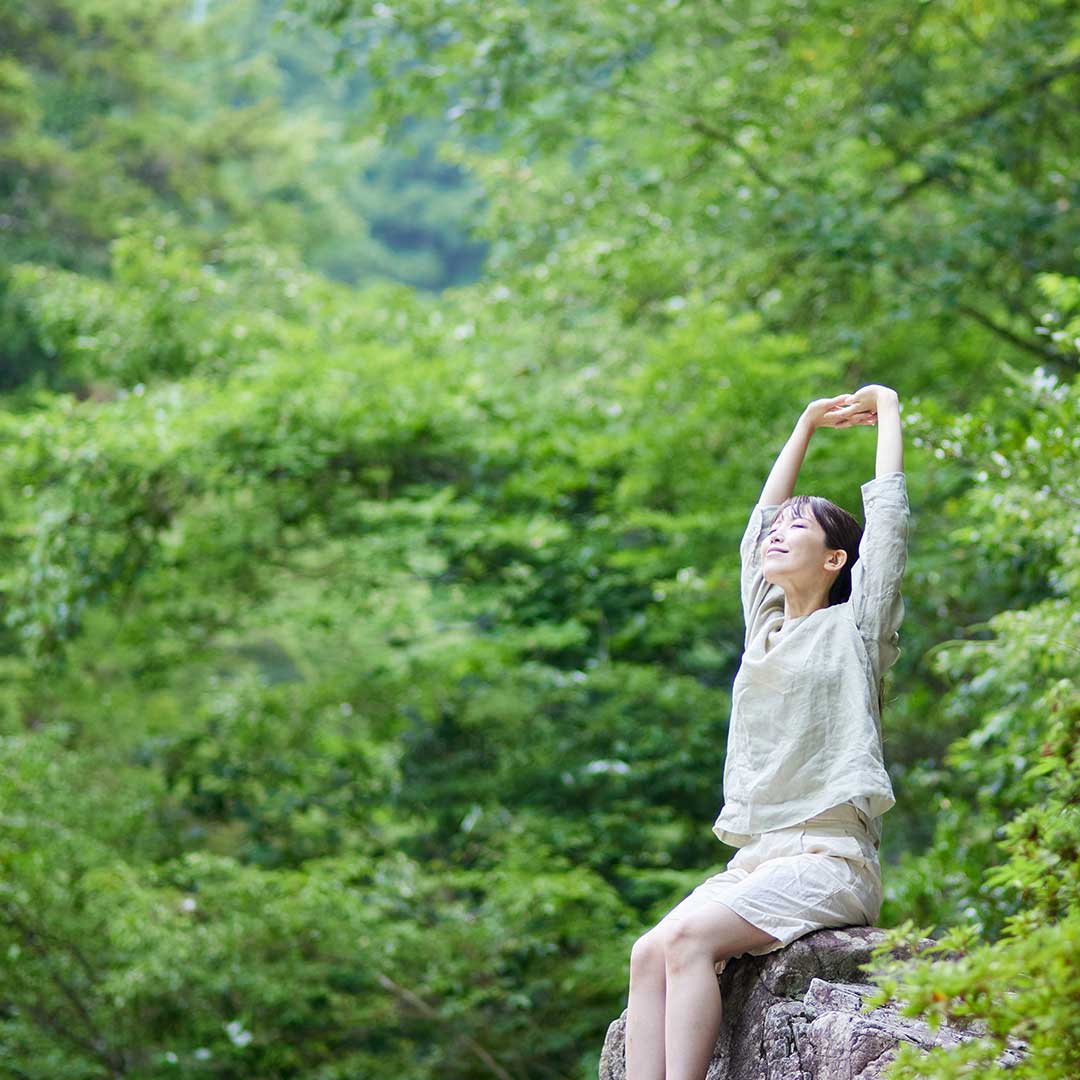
point(995, 104)
point(432, 1014)
point(1005, 332)
point(57, 1025)
point(913, 188)
point(97, 1041)
point(695, 123)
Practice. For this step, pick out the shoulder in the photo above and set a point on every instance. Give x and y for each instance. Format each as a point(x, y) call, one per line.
point(887, 489)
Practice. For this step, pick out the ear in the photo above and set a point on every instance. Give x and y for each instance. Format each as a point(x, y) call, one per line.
point(837, 559)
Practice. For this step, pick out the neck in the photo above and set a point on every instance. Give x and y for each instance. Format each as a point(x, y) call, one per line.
point(797, 605)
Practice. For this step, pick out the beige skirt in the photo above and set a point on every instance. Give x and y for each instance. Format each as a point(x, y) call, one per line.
point(821, 872)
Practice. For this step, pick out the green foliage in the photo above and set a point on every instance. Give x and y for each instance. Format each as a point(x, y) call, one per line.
point(120, 116)
point(1012, 784)
point(204, 964)
point(874, 181)
point(168, 307)
point(1017, 521)
point(365, 655)
point(1022, 992)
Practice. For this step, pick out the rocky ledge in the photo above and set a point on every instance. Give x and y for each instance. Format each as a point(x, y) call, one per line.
point(796, 1014)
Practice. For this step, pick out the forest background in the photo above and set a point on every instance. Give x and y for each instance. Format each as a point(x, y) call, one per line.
point(386, 388)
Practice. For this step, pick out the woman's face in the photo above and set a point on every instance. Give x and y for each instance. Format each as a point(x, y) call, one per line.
point(794, 551)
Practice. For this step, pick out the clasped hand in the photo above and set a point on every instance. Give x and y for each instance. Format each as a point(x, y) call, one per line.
point(847, 410)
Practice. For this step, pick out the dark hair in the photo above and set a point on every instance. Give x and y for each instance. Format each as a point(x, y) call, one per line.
point(841, 531)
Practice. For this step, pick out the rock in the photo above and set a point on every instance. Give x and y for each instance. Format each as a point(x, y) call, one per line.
point(794, 1014)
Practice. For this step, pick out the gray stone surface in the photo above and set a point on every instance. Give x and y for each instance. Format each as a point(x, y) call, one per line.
point(795, 1014)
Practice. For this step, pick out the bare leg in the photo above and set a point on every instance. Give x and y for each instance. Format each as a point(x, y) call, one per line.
point(645, 1009)
point(693, 1009)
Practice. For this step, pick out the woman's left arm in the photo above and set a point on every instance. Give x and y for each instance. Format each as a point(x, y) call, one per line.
point(883, 403)
point(876, 576)
point(890, 442)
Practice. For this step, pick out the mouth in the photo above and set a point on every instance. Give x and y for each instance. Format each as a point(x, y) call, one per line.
point(777, 551)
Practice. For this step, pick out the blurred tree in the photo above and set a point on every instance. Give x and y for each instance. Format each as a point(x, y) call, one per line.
point(860, 175)
point(365, 654)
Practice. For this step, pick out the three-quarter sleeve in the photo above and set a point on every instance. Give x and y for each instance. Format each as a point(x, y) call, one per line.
point(877, 606)
point(758, 595)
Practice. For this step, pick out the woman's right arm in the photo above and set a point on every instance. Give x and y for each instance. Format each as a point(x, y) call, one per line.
point(840, 411)
point(757, 594)
point(785, 470)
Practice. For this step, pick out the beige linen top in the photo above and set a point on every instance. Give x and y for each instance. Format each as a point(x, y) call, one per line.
point(805, 729)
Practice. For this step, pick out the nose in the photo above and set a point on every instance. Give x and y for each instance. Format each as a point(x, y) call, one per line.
point(776, 539)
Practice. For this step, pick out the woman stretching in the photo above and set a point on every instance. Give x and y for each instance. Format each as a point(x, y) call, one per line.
point(804, 781)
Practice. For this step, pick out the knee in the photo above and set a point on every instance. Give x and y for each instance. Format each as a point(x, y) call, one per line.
point(686, 942)
point(647, 955)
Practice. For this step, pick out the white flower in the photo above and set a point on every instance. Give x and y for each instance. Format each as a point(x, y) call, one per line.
point(237, 1034)
point(607, 766)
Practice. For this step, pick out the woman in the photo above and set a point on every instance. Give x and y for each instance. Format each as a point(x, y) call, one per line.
point(804, 781)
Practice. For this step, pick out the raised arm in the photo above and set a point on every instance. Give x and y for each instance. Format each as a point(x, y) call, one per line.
point(785, 471)
point(890, 445)
point(883, 403)
point(876, 603)
point(757, 594)
point(824, 412)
